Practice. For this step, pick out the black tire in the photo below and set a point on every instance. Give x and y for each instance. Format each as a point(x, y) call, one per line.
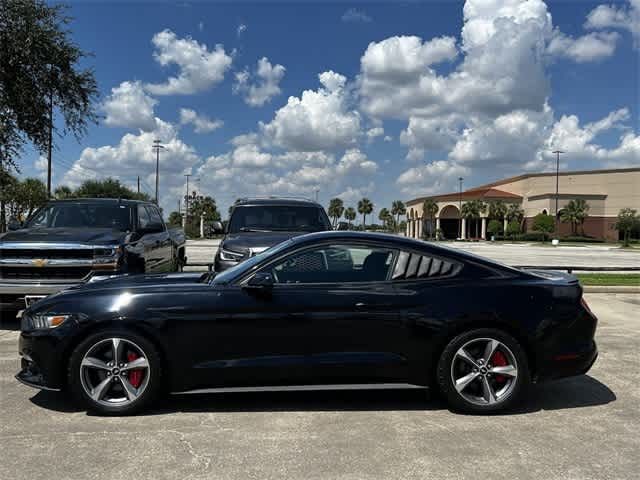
point(460, 402)
point(152, 384)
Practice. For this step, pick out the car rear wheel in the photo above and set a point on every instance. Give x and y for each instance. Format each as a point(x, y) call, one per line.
point(115, 372)
point(483, 371)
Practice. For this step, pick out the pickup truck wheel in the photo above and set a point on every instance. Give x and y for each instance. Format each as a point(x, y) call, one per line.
point(115, 372)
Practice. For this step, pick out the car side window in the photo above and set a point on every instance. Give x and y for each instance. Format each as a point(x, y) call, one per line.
point(143, 217)
point(416, 266)
point(335, 264)
point(154, 215)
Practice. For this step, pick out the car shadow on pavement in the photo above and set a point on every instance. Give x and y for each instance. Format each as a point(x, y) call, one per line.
point(575, 392)
point(8, 320)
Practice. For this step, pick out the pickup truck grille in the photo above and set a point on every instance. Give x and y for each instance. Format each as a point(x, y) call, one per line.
point(44, 273)
point(80, 253)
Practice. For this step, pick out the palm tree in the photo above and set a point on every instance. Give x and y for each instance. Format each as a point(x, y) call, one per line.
point(365, 207)
point(575, 213)
point(473, 210)
point(398, 208)
point(497, 210)
point(429, 210)
point(336, 209)
point(350, 215)
point(514, 212)
point(386, 218)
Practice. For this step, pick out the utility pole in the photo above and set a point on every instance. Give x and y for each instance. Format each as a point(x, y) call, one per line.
point(138, 183)
point(557, 152)
point(460, 179)
point(186, 203)
point(157, 146)
point(317, 190)
point(50, 146)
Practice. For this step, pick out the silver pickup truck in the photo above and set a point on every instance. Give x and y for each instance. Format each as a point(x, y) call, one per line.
point(72, 241)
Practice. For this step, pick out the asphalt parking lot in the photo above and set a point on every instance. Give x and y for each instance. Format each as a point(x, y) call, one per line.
point(587, 255)
point(580, 428)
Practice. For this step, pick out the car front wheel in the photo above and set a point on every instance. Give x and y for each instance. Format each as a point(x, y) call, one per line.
point(115, 372)
point(483, 371)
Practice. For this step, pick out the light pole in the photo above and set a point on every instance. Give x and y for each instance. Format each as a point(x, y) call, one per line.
point(157, 146)
point(460, 179)
point(557, 152)
point(186, 203)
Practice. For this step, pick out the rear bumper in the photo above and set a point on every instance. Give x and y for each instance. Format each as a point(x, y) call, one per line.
point(568, 364)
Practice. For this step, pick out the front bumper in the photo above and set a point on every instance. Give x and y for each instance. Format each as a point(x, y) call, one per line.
point(43, 360)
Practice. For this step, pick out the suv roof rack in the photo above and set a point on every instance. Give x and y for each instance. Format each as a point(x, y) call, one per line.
point(274, 197)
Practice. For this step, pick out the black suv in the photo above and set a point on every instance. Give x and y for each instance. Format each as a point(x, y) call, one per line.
point(256, 224)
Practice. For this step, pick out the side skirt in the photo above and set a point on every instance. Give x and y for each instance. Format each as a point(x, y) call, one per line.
point(305, 388)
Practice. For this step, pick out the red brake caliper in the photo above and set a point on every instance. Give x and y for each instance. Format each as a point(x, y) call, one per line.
point(135, 375)
point(499, 360)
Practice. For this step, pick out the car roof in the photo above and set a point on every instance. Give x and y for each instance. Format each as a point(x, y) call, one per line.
point(283, 201)
point(103, 200)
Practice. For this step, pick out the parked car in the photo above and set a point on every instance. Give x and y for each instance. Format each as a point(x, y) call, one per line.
point(319, 310)
point(256, 224)
point(74, 241)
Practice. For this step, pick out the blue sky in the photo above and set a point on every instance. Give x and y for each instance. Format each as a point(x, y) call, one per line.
point(401, 98)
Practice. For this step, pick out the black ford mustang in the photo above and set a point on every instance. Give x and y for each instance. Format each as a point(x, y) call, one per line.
point(323, 310)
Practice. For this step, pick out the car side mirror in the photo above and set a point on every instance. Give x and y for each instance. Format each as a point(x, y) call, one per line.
point(14, 224)
point(217, 226)
point(261, 281)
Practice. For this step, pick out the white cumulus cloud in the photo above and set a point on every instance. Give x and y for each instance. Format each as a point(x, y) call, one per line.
point(199, 68)
point(317, 120)
point(201, 123)
point(130, 106)
point(260, 87)
point(623, 17)
point(592, 47)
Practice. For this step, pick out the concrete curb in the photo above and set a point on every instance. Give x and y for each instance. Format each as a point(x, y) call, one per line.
point(610, 289)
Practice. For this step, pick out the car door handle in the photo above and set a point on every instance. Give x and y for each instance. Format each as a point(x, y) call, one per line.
point(361, 305)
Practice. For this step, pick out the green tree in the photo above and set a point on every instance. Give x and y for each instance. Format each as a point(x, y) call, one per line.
point(513, 228)
point(628, 220)
point(108, 188)
point(497, 210)
point(514, 212)
point(24, 197)
point(336, 209)
point(199, 205)
point(350, 215)
point(494, 227)
point(429, 210)
point(473, 210)
point(40, 72)
point(575, 213)
point(365, 207)
point(543, 223)
point(63, 192)
point(386, 218)
point(175, 219)
point(398, 209)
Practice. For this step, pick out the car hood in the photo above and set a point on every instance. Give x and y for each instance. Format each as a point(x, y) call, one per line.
point(91, 236)
point(256, 241)
point(143, 281)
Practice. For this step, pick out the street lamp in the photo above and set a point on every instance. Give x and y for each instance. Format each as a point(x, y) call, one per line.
point(460, 179)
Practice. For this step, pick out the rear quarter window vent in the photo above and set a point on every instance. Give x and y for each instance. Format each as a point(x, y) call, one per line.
point(415, 266)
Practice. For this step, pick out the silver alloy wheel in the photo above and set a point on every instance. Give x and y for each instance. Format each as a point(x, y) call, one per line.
point(479, 381)
point(105, 371)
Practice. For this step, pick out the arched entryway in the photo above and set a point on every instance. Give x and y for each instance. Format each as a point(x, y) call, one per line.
point(449, 221)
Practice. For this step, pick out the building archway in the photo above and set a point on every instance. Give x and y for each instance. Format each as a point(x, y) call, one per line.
point(449, 221)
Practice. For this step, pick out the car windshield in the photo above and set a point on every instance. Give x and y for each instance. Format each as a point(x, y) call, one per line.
point(268, 218)
point(83, 215)
point(237, 270)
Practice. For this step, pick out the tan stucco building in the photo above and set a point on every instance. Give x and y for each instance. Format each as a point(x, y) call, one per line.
point(606, 192)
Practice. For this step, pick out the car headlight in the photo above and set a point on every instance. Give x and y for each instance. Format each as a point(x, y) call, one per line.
point(229, 256)
point(47, 321)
